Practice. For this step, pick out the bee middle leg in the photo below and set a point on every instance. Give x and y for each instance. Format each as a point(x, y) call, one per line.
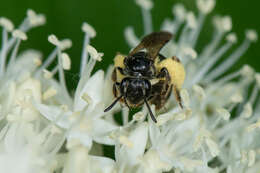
point(164, 74)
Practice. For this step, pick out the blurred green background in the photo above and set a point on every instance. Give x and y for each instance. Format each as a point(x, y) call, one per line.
point(110, 17)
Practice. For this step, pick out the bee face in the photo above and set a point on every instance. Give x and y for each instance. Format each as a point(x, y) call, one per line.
point(147, 77)
point(135, 90)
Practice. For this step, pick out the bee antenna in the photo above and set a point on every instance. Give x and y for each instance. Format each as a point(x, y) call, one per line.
point(150, 111)
point(113, 104)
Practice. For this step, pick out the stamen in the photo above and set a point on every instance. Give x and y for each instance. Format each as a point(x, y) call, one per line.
point(19, 35)
point(48, 61)
point(7, 24)
point(252, 35)
point(89, 33)
point(229, 61)
point(179, 12)
point(14, 53)
point(61, 74)
point(3, 51)
point(254, 94)
point(210, 63)
point(206, 6)
point(146, 6)
point(35, 19)
point(89, 30)
point(257, 77)
point(93, 53)
point(131, 38)
point(66, 63)
point(54, 40)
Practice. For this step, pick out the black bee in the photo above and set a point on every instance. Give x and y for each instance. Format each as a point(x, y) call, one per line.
point(147, 77)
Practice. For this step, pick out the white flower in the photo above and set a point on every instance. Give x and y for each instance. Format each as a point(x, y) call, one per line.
point(46, 128)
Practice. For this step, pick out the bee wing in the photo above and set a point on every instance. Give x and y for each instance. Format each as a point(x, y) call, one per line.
point(153, 43)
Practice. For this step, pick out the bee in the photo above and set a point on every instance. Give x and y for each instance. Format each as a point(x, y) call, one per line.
point(147, 77)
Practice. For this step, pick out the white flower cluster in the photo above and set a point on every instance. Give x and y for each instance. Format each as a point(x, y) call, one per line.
point(44, 128)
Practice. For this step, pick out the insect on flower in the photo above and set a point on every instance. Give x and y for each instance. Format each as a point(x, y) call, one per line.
point(147, 77)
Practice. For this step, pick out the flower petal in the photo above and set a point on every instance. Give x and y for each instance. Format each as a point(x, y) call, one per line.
point(138, 138)
point(94, 89)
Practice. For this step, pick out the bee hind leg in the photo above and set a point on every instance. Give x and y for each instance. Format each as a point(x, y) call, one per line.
point(177, 96)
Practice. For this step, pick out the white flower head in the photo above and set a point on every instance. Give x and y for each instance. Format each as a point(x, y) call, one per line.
point(217, 124)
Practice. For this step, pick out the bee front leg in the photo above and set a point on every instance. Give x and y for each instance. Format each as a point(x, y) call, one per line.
point(114, 73)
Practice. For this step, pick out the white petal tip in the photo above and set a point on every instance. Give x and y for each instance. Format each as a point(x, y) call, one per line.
point(91, 32)
point(7, 24)
point(19, 34)
point(252, 35)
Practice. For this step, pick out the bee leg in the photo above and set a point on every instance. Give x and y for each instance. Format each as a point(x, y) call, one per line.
point(164, 74)
point(113, 104)
point(125, 101)
point(177, 95)
point(148, 107)
point(114, 73)
point(121, 70)
point(150, 111)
